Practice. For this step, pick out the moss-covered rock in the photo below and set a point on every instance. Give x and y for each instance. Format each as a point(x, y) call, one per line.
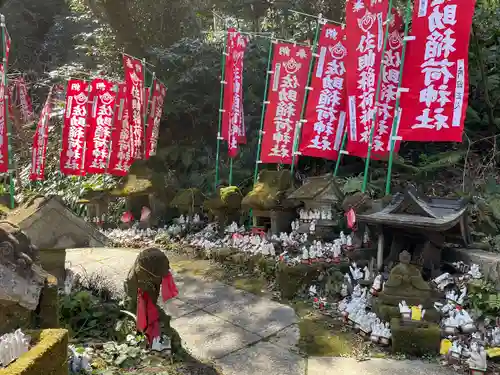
point(188, 201)
point(290, 279)
point(49, 356)
point(387, 313)
point(270, 191)
point(415, 338)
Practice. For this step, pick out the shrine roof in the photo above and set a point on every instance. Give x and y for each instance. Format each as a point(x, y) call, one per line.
point(408, 209)
point(323, 188)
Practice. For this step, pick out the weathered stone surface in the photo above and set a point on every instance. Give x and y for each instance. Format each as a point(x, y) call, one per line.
point(287, 338)
point(210, 337)
point(51, 225)
point(375, 366)
point(176, 308)
point(488, 262)
point(258, 315)
point(202, 294)
point(263, 358)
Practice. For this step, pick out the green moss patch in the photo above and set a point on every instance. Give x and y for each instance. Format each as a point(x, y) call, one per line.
point(415, 338)
point(319, 337)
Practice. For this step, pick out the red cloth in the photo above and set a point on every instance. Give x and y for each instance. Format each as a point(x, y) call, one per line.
point(148, 318)
point(351, 218)
point(168, 288)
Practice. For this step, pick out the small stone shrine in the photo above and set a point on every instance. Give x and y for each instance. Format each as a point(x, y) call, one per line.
point(322, 199)
point(225, 206)
point(52, 227)
point(418, 224)
point(268, 201)
point(28, 295)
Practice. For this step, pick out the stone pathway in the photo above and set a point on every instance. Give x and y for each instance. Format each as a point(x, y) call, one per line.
point(238, 331)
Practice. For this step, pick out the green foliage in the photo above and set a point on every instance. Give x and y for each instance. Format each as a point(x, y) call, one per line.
point(484, 299)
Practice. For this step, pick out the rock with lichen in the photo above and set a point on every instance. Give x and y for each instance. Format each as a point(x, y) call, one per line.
point(270, 191)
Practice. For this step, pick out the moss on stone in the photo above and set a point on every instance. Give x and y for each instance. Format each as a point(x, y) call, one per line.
point(318, 339)
point(269, 191)
point(387, 312)
point(188, 201)
point(415, 338)
point(133, 185)
point(49, 356)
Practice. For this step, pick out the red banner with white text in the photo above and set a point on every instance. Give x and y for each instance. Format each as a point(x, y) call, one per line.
point(74, 128)
point(287, 84)
point(4, 141)
point(227, 79)
point(24, 100)
point(235, 92)
point(365, 37)
point(121, 157)
point(40, 139)
point(381, 144)
point(101, 107)
point(156, 110)
point(325, 111)
point(436, 72)
point(134, 80)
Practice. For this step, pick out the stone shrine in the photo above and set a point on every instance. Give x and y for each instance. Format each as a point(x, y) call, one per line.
point(268, 201)
point(28, 295)
point(418, 224)
point(321, 195)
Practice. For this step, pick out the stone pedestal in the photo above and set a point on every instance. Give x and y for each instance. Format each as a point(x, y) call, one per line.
point(415, 338)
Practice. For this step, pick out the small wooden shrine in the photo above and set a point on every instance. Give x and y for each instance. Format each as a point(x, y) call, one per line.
point(420, 225)
point(322, 199)
point(271, 209)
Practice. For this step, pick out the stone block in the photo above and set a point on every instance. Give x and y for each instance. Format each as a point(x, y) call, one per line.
point(488, 262)
point(48, 356)
point(51, 225)
point(415, 338)
point(54, 262)
point(387, 313)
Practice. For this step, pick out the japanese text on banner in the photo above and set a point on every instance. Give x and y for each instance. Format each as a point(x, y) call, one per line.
point(74, 128)
point(134, 80)
point(388, 91)
point(40, 139)
point(121, 158)
point(435, 105)
point(153, 129)
point(101, 106)
point(325, 114)
point(288, 80)
point(236, 95)
point(25, 106)
point(365, 37)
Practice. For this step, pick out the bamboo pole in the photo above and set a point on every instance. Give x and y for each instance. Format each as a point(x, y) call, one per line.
point(6, 117)
point(397, 111)
point(341, 152)
point(264, 103)
point(221, 108)
point(319, 21)
point(377, 95)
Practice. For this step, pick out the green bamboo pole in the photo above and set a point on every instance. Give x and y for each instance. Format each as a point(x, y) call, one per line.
point(397, 113)
point(377, 95)
point(341, 152)
point(145, 106)
point(221, 105)
point(230, 171)
point(264, 103)
point(296, 142)
point(6, 105)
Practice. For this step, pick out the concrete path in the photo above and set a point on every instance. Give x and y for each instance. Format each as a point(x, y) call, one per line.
point(240, 332)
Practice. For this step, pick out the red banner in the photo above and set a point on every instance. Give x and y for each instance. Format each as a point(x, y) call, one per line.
point(74, 128)
point(365, 38)
point(325, 111)
point(134, 80)
point(228, 78)
point(436, 72)
point(156, 110)
point(40, 139)
point(101, 109)
point(4, 141)
point(121, 138)
point(235, 93)
point(24, 100)
point(287, 85)
point(11, 89)
point(388, 89)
